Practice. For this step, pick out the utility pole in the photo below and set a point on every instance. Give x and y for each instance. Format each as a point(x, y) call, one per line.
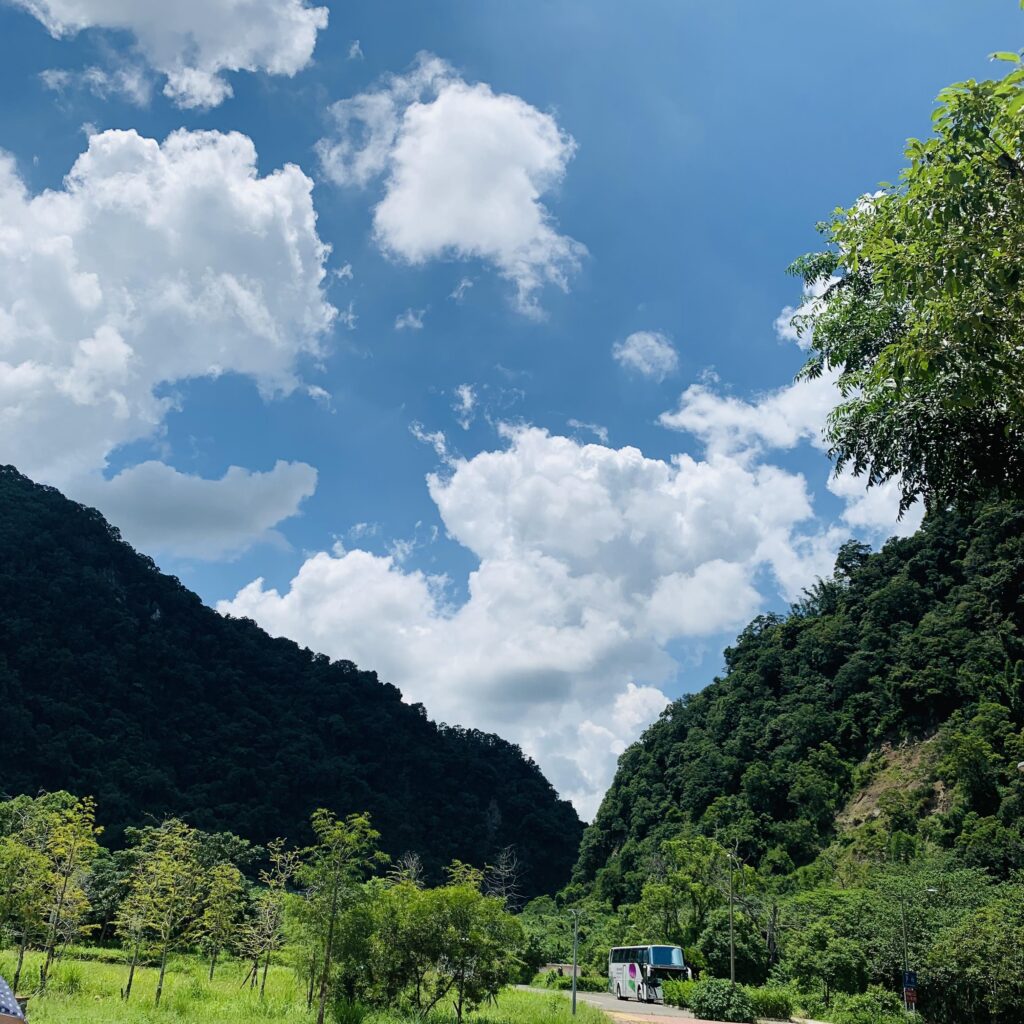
point(575, 950)
point(909, 978)
point(732, 943)
point(906, 958)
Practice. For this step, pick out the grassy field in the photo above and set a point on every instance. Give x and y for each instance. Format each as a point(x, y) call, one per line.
point(88, 992)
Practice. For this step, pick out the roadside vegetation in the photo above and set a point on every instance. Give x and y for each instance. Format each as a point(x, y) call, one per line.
point(87, 991)
point(181, 918)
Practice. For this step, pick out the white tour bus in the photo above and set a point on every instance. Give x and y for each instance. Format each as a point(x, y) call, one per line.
point(638, 971)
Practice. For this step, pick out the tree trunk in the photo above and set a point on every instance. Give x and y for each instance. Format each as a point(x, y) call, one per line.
point(458, 1005)
point(312, 983)
point(263, 980)
point(51, 938)
point(327, 954)
point(21, 959)
point(254, 971)
point(160, 980)
point(213, 962)
point(131, 973)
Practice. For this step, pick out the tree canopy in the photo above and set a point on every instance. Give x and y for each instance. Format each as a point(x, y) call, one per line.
point(922, 312)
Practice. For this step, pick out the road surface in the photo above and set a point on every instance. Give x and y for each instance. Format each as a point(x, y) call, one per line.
point(629, 1011)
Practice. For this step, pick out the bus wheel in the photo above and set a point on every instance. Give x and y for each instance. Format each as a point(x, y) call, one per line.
point(618, 992)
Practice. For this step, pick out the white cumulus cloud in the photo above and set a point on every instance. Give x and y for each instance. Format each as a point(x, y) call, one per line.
point(153, 264)
point(192, 43)
point(778, 419)
point(782, 419)
point(591, 560)
point(465, 172)
point(650, 353)
point(812, 303)
point(159, 509)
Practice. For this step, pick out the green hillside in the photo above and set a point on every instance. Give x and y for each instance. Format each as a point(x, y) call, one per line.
point(922, 640)
point(117, 682)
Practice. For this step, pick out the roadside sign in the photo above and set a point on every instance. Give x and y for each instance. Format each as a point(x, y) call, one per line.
point(910, 989)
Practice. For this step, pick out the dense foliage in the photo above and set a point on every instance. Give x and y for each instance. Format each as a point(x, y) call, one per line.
point(923, 307)
point(118, 682)
point(920, 640)
point(848, 795)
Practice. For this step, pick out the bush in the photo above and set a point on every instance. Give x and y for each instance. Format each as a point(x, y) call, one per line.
point(678, 993)
point(876, 1006)
point(346, 1012)
point(717, 999)
point(563, 982)
point(772, 1001)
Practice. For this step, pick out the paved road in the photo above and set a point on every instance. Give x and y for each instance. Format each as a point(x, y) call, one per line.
point(629, 1011)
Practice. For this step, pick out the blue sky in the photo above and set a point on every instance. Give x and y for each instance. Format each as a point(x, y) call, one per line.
point(666, 160)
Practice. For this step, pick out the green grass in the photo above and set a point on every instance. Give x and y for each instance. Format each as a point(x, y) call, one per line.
point(87, 991)
point(512, 1007)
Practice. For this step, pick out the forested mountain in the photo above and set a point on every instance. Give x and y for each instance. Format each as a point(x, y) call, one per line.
point(920, 641)
point(117, 682)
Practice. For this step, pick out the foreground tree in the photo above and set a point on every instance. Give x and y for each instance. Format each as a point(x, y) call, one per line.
point(166, 892)
point(24, 887)
point(479, 941)
point(345, 848)
point(69, 834)
point(921, 308)
point(224, 901)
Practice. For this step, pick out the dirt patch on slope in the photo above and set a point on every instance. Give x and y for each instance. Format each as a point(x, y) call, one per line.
point(905, 768)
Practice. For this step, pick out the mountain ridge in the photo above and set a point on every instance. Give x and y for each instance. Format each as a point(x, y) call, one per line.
point(118, 682)
point(920, 639)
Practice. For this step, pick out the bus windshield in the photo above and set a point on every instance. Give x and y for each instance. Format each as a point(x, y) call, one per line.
point(666, 956)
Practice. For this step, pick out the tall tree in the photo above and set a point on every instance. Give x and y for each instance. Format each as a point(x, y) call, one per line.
point(345, 848)
point(70, 832)
point(222, 910)
point(922, 312)
point(168, 889)
point(25, 883)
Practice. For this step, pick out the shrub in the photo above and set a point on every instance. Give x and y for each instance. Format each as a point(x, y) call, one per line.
point(717, 999)
point(772, 1001)
point(678, 993)
point(563, 982)
point(876, 1006)
point(346, 1012)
